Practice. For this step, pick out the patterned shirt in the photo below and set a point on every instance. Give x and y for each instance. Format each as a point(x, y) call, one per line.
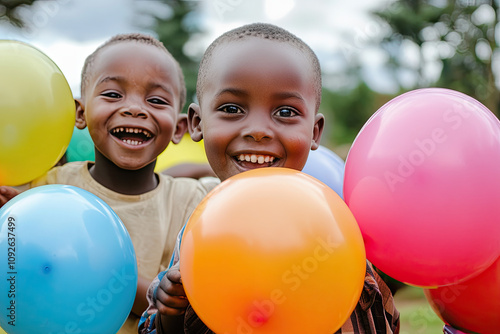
point(450, 330)
point(374, 313)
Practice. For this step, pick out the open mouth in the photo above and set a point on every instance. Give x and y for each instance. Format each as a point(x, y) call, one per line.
point(257, 159)
point(132, 136)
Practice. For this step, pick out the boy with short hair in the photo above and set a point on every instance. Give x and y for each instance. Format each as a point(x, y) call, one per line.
point(259, 91)
point(132, 93)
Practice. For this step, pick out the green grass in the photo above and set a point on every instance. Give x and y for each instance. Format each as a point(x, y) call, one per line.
point(417, 316)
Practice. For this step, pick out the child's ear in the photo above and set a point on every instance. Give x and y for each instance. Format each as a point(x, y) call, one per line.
point(80, 114)
point(180, 129)
point(194, 122)
point(319, 124)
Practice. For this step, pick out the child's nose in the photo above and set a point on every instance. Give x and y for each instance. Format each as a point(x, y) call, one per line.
point(134, 110)
point(258, 128)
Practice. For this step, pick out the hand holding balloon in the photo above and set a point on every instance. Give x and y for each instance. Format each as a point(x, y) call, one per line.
point(171, 298)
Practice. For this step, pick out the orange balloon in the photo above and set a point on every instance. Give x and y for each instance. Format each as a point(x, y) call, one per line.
point(273, 250)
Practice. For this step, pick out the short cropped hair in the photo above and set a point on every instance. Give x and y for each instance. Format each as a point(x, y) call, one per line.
point(264, 31)
point(132, 37)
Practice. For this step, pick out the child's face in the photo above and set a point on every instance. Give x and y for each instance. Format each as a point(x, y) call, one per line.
point(131, 103)
point(258, 108)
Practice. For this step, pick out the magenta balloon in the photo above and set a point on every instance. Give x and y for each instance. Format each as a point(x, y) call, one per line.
point(422, 179)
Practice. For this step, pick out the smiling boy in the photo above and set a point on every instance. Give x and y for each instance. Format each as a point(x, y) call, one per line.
point(262, 114)
point(132, 92)
point(259, 91)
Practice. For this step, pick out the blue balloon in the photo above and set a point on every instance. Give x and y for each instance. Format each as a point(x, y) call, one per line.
point(67, 263)
point(81, 146)
point(327, 167)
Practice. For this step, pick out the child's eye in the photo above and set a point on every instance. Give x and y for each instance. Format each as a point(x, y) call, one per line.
point(286, 112)
point(156, 100)
point(113, 95)
point(231, 109)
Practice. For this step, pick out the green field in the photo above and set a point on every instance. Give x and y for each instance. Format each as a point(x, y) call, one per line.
point(417, 316)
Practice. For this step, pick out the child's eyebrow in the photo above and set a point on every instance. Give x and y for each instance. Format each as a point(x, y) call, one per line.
point(154, 85)
point(111, 78)
point(279, 95)
point(289, 95)
point(149, 86)
point(233, 91)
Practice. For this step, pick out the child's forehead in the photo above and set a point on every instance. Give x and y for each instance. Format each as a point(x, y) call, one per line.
point(256, 54)
point(130, 51)
point(124, 55)
point(254, 49)
point(255, 41)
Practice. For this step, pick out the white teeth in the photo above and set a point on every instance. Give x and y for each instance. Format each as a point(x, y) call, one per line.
point(254, 158)
point(133, 130)
point(132, 142)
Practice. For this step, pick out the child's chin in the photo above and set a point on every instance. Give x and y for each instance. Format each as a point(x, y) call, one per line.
point(131, 165)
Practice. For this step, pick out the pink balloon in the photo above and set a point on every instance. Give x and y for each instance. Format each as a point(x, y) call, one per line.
point(422, 179)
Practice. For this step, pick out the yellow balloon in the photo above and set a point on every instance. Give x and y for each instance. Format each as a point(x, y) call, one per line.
point(37, 113)
point(187, 151)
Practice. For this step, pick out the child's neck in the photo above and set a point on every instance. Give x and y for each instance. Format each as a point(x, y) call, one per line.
point(123, 181)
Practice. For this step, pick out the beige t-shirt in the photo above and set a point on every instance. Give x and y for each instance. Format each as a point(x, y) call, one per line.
point(153, 219)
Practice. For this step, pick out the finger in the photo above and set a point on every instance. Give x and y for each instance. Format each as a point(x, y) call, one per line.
point(162, 309)
point(171, 288)
point(174, 274)
point(171, 305)
point(170, 300)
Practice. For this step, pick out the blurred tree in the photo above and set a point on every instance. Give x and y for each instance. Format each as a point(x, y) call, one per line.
point(9, 11)
point(455, 38)
point(347, 110)
point(348, 102)
point(174, 31)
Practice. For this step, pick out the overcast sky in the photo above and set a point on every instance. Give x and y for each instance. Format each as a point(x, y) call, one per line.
point(68, 30)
